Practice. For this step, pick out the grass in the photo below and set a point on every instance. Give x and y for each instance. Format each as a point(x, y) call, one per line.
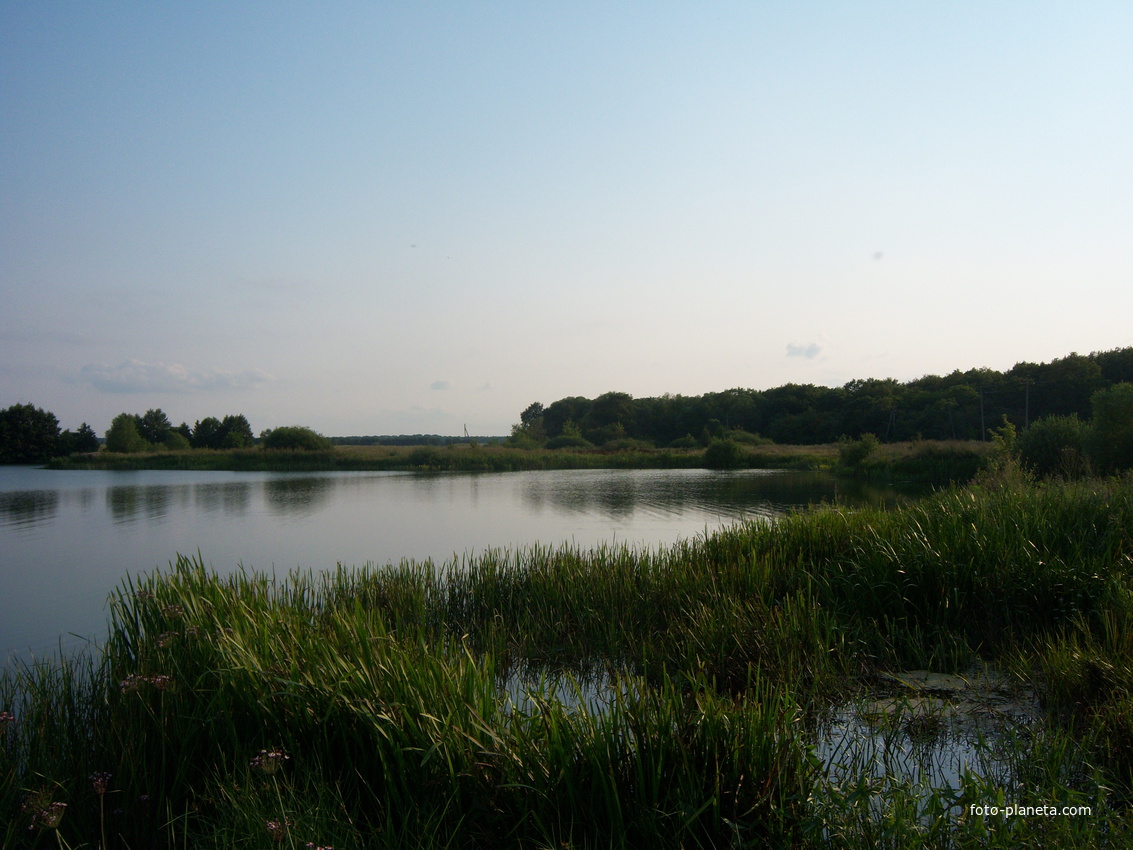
point(367, 707)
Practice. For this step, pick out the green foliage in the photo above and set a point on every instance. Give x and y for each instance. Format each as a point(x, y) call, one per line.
point(852, 454)
point(122, 437)
point(85, 439)
point(950, 407)
point(660, 698)
point(1111, 435)
point(723, 454)
point(206, 433)
point(175, 441)
point(28, 434)
point(235, 432)
point(153, 426)
point(688, 441)
point(568, 441)
point(1055, 445)
point(295, 437)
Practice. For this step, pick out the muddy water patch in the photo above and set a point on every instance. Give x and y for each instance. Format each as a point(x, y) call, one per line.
point(927, 730)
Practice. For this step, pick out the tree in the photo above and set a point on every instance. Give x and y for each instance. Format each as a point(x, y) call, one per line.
point(82, 441)
point(235, 432)
point(28, 434)
point(295, 437)
point(1054, 445)
point(532, 416)
point(153, 426)
point(1111, 437)
point(123, 435)
point(206, 433)
point(85, 439)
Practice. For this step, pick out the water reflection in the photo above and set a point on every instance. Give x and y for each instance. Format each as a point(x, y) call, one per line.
point(67, 539)
point(232, 498)
point(132, 503)
point(28, 507)
point(298, 496)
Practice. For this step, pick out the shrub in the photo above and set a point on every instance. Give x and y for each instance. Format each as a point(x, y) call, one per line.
point(568, 441)
point(853, 453)
point(627, 444)
point(123, 435)
point(176, 441)
point(296, 437)
point(747, 438)
point(688, 441)
point(723, 454)
point(1054, 445)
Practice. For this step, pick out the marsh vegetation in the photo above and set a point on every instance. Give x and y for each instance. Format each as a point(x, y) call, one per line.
point(606, 697)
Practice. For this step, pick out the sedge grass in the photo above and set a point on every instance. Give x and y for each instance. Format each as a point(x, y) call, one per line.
point(385, 687)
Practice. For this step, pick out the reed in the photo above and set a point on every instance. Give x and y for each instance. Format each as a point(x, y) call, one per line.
point(605, 697)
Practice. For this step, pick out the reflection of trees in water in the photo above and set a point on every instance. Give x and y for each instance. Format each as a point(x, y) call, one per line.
point(129, 503)
point(726, 493)
point(232, 498)
point(28, 507)
point(297, 495)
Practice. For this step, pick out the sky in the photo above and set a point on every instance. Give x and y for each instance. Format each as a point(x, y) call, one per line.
point(385, 218)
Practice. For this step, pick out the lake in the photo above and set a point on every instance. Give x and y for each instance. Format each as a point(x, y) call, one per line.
point(68, 538)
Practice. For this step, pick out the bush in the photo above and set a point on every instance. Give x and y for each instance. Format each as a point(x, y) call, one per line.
point(568, 441)
point(688, 441)
point(1054, 445)
point(176, 442)
point(627, 444)
point(296, 437)
point(123, 436)
point(747, 438)
point(853, 453)
point(723, 454)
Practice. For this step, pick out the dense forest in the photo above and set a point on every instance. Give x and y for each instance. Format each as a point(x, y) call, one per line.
point(961, 405)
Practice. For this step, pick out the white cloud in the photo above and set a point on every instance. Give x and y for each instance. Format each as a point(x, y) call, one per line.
point(137, 376)
point(809, 351)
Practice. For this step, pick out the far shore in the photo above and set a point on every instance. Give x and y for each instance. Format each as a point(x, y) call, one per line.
point(926, 460)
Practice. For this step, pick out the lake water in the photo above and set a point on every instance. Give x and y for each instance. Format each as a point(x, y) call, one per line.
point(68, 538)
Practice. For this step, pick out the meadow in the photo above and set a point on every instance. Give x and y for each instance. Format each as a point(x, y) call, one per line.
point(598, 698)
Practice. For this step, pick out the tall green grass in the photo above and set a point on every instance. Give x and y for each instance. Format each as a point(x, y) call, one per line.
point(368, 707)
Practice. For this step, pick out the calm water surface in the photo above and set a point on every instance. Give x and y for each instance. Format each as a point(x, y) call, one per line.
point(68, 538)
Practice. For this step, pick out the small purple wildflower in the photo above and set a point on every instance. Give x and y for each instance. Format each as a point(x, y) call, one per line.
point(173, 612)
point(133, 682)
point(277, 829)
point(100, 781)
point(270, 761)
point(48, 817)
point(165, 639)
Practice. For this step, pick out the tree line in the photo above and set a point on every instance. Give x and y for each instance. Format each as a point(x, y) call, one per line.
point(29, 434)
point(961, 405)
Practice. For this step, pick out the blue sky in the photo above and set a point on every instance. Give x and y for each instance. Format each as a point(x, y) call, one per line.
point(411, 217)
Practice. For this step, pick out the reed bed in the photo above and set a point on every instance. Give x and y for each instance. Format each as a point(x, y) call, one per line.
point(559, 697)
